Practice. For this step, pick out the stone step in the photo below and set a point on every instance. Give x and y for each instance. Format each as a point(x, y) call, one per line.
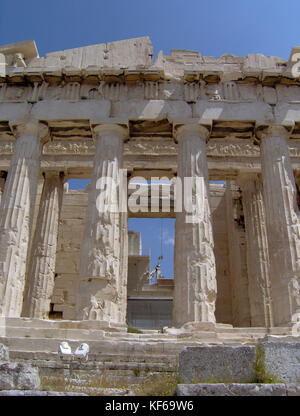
point(94, 335)
point(255, 330)
point(59, 324)
point(25, 327)
point(204, 337)
point(49, 333)
point(112, 365)
point(93, 379)
point(55, 393)
point(240, 337)
point(86, 335)
point(250, 334)
point(96, 347)
point(237, 389)
point(67, 324)
point(96, 326)
point(142, 337)
point(26, 339)
point(76, 334)
point(136, 358)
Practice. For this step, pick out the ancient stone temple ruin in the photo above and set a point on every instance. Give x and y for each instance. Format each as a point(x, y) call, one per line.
point(92, 112)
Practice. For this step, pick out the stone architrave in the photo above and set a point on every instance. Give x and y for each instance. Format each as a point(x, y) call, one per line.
point(195, 270)
point(98, 296)
point(282, 225)
point(41, 270)
point(17, 207)
point(258, 264)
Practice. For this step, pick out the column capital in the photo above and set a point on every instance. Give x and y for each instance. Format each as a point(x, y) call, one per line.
point(30, 127)
point(272, 130)
point(114, 128)
point(185, 130)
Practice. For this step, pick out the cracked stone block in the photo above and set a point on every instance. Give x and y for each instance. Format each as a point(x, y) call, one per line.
point(237, 389)
point(282, 360)
point(217, 364)
point(18, 376)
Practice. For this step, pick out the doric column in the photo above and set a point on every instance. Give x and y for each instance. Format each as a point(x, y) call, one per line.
point(41, 270)
point(98, 297)
point(122, 290)
point(257, 251)
point(17, 207)
point(195, 271)
point(237, 257)
point(282, 224)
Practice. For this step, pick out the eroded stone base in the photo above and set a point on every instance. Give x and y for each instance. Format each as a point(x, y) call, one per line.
point(38, 393)
point(127, 361)
point(218, 364)
point(273, 359)
point(237, 390)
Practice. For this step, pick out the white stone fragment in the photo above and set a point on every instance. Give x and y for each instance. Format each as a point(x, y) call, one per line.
point(82, 351)
point(64, 349)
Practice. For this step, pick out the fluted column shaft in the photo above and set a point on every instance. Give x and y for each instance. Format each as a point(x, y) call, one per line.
point(282, 224)
point(257, 251)
point(98, 297)
point(237, 258)
point(17, 206)
point(41, 270)
point(195, 270)
point(122, 287)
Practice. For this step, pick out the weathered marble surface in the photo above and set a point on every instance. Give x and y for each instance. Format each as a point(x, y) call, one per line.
point(18, 376)
point(250, 108)
point(273, 358)
point(195, 270)
point(283, 224)
point(236, 389)
point(17, 206)
point(98, 296)
point(217, 364)
point(38, 393)
point(41, 272)
point(258, 264)
point(281, 359)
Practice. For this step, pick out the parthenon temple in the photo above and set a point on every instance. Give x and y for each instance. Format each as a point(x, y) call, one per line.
point(86, 113)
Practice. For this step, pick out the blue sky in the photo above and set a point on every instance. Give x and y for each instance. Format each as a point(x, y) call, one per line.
point(239, 27)
point(214, 27)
